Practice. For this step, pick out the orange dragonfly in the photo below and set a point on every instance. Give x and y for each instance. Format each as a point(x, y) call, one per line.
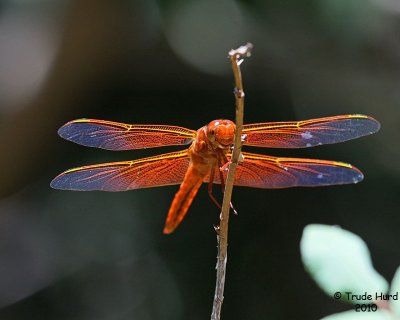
point(209, 152)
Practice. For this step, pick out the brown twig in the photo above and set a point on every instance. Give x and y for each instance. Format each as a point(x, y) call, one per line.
point(236, 57)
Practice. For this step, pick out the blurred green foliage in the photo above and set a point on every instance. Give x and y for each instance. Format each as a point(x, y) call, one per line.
point(340, 263)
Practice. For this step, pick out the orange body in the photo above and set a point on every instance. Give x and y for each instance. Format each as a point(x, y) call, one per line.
point(208, 153)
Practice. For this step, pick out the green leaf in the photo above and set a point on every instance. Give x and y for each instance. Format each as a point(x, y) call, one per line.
point(394, 291)
point(353, 315)
point(340, 263)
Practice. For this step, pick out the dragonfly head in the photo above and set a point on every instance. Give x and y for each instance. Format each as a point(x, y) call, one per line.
point(221, 133)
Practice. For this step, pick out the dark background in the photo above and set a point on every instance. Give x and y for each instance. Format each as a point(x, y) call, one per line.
point(71, 255)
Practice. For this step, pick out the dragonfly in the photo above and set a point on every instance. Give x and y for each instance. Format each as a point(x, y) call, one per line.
point(206, 159)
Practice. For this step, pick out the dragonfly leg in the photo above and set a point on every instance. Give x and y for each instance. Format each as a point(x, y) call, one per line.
point(221, 176)
point(210, 187)
point(225, 166)
point(233, 209)
point(227, 163)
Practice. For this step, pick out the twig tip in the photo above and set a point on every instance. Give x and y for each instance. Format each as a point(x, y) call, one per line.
point(242, 51)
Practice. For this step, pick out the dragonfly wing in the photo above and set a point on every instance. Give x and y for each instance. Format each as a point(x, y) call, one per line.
point(260, 171)
point(309, 133)
point(162, 170)
point(120, 136)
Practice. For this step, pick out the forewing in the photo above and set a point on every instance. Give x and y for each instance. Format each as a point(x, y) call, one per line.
point(162, 170)
point(120, 136)
point(260, 171)
point(309, 133)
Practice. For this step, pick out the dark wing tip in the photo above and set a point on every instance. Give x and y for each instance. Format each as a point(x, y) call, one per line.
point(348, 174)
point(371, 123)
point(332, 176)
point(67, 180)
point(65, 131)
point(358, 175)
point(62, 182)
point(57, 183)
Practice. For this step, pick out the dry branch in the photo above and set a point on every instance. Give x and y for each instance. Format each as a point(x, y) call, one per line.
point(236, 56)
